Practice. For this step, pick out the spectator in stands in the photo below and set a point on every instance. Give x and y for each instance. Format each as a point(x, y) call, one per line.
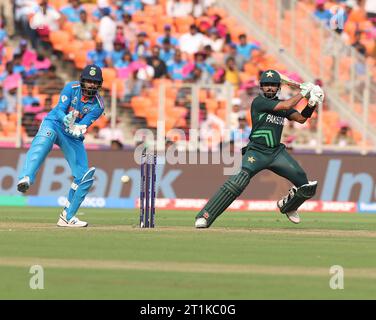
point(10, 83)
point(244, 48)
point(306, 136)
point(41, 63)
point(344, 136)
point(357, 44)
point(192, 41)
point(119, 11)
point(249, 91)
point(167, 52)
point(370, 8)
point(71, 12)
point(219, 26)
point(132, 6)
point(207, 71)
point(45, 20)
point(98, 56)
point(129, 28)
point(144, 76)
point(7, 16)
point(240, 136)
point(28, 56)
point(84, 30)
point(141, 47)
point(321, 13)
point(339, 18)
point(120, 35)
point(125, 61)
point(196, 76)
point(47, 107)
point(101, 4)
point(3, 40)
point(240, 60)
point(24, 9)
point(50, 83)
point(214, 40)
point(235, 114)
point(167, 36)
point(159, 66)
point(107, 29)
point(211, 132)
point(209, 59)
point(197, 8)
point(117, 54)
point(29, 98)
point(17, 65)
point(178, 8)
point(109, 134)
point(3, 102)
point(371, 32)
point(232, 73)
point(176, 66)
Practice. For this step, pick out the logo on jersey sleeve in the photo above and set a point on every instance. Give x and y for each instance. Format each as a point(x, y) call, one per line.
point(64, 98)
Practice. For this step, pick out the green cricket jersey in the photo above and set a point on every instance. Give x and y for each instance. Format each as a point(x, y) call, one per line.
point(267, 125)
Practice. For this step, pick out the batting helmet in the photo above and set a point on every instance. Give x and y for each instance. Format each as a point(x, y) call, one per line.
point(91, 80)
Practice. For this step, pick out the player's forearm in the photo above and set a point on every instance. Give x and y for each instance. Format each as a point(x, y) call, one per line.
point(60, 113)
point(299, 118)
point(290, 103)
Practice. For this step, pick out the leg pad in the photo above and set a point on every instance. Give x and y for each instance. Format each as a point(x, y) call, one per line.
point(297, 196)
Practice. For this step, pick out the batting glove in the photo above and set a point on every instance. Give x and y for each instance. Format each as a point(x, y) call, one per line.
point(305, 88)
point(316, 96)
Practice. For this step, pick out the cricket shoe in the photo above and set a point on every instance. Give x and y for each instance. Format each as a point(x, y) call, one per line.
point(74, 222)
point(201, 223)
point(293, 216)
point(24, 184)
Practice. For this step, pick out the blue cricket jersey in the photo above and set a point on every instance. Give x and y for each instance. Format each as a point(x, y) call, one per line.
point(71, 99)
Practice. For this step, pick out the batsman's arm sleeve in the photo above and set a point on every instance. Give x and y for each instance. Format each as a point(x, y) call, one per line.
point(260, 104)
point(91, 117)
point(64, 102)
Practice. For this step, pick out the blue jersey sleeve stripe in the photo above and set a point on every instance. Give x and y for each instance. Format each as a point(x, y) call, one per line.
point(100, 101)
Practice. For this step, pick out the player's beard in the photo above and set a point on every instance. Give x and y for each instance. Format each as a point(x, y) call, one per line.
point(270, 94)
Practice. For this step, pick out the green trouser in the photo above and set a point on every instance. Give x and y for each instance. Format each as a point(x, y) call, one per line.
point(255, 159)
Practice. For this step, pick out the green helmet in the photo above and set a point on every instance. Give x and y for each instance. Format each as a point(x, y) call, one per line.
point(270, 76)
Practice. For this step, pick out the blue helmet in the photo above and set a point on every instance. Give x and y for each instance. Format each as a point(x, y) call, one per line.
point(91, 80)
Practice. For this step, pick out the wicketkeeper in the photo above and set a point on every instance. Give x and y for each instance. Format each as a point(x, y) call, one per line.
point(79, 106)
point(265, 151)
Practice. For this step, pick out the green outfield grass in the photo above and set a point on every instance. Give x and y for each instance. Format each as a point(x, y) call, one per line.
point(243, 256)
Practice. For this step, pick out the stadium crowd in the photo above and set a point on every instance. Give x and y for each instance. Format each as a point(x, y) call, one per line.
point(142, 43)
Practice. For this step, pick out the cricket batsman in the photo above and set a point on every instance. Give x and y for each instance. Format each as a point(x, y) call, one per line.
point(79, 106)
point(265, 151)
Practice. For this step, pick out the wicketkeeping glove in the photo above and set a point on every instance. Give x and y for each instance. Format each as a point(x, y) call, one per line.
point(305, 88)
point(70, 118)
point(77, 130)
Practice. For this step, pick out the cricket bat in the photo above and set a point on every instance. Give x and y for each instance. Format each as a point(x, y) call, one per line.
point(287, 81)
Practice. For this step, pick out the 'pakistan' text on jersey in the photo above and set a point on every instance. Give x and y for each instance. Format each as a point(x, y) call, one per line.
point(267, 125)
point(71, 99)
